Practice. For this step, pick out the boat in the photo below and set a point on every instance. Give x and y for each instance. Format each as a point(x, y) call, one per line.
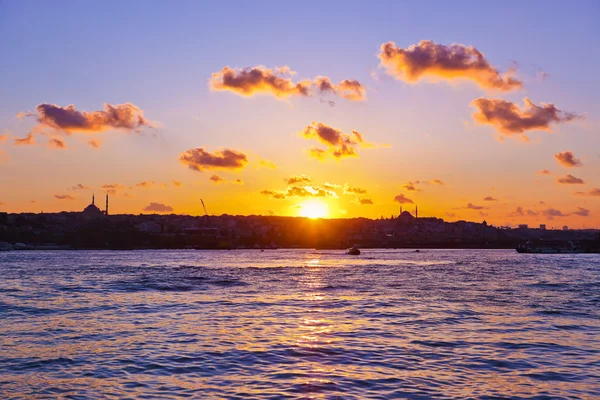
point(555, 247)
point(353, 251)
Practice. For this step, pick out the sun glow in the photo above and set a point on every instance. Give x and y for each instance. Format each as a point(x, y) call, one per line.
point(314, 209)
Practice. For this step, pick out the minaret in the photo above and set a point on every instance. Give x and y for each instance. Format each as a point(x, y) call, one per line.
point(92, 199)
point(106, 212)
point(416, 211)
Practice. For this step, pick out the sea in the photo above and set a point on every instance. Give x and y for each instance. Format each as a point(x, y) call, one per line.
point(299, 324)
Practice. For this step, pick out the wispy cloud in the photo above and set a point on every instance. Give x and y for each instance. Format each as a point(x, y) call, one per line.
point(592, 192)
point(64, 197)
point(353, 190)
point(298, 179)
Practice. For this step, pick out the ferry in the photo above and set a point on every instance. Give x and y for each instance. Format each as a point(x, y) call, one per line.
point(554, 247)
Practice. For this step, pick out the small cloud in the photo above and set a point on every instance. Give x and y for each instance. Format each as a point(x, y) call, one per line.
point(509, 119)
point(158, 208)
point(126, 116)
point(298, 179)
point(551, 213)
point(353, 190)
point(267, 164)
point(112, 188)
point(338, 144)
point(365, 201)
point(541, 74)
point(411, 187)
point(428, 60)
point(483, 214)
point(278, 82)
point(177, 184)
point(145, 184)
point(520, 212)
point(95, 143)
point(402, 199)
point(570, 179)
point(567, 159)
point(472, 206)
point(543, 172)
point(64, 197)
point(199, 159)
point(489, 198)
point(331, 186)
point(55, 143)
point(582, 212)
point(238, 182)
point(27, 140)
point(437, 181)
point(274, 194)
point(217, 179)
point(79, 186)
point(451, 215)
point(592, 192)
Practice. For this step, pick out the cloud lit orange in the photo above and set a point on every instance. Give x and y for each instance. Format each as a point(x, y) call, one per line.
point(199, 159)
point(457, 61)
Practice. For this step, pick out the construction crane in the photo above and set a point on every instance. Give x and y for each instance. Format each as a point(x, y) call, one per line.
point(206, 221)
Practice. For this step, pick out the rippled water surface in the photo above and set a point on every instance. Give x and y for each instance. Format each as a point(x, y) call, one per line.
point(299, 324)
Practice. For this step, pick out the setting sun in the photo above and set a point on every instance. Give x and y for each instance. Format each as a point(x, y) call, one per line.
point(314, 209)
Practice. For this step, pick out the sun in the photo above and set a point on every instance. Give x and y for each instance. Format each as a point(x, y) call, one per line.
point(314, 209)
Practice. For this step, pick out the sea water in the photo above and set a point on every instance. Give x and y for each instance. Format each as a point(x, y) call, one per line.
point(299, 324)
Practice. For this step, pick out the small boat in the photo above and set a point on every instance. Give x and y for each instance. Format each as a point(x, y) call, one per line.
point(353, 251)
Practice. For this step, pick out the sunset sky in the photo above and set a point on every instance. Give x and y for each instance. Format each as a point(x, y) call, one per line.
point(470, 110)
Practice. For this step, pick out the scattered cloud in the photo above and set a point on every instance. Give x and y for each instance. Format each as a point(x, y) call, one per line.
point(145, 184)
point(489, 198)
point(411, 187)
point(541, 74)
point(451, 215)
point(199, 159)
point(27, 140)
point(567, 159)
point(509, 119)
point(444, 62)
point(278, 82)
point(550, 213)
point(125, 116)
point(520, 212)
point(582, 212)
point(112, 188)
point(56, 143)
point(331, 186)
point(267, 164)
point(95, 143)
point(544, 172)
point(402, 199)
point(259, 80)
point(298, 179)
point(177, 184)
point(300, 191)
point(217, 179)
point(365, 202)
point(338, 144)
point(353, 190)
point(158, 208)
point(437, 181)
point(592, 192)
point(472, 206)
point(64, 197)
point(79, 186)
point(349, 89)
point(238, 182)
point(570, 179)
point(274, 194)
